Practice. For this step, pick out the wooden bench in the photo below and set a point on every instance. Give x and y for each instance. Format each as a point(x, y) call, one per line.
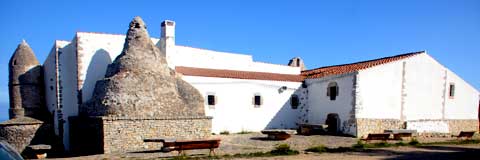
point(278, 134)
point(377, 136)
point(39, 150)
point(399, 134)
point(466, 134)
point(182, 145)
point(309, 129)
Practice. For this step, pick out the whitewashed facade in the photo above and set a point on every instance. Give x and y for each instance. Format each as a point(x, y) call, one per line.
point(75, 67)
point(411, 93)
point(413, 90)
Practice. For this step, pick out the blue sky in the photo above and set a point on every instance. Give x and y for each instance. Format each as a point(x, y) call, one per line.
point(321, 32)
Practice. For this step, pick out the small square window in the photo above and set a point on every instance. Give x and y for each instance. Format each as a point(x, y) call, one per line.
point(211, 100)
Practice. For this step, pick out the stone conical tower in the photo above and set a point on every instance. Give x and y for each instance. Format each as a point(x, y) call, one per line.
point(25, 84)
point(139, 83)
point(140, 97)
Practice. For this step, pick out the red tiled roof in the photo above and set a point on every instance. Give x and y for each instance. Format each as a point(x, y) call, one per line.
point(204, 72)
point(347, 68)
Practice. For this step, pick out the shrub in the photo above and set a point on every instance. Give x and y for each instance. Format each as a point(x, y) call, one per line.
point(225, 133)
point(283, 149)
point(414, 142)
point(359, 145)
point(401, 143)
point(382, 144)
point(244, 132)
point(318, 149)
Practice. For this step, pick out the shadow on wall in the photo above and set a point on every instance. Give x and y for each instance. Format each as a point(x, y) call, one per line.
point(31, 96)
point(286, 117)
point(96, 71)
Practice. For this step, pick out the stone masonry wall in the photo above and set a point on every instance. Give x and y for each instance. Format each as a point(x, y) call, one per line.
point(365, 126)
point(456, 126)
point(19, 136)
point(127, 134)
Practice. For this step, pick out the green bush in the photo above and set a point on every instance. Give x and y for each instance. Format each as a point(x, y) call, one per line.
point(401, 143)
point(317, 149)
point(414, 142)
point(244, 132)
point(225, 133)
point(283, 149)
point(359, 145)
point(382, 144)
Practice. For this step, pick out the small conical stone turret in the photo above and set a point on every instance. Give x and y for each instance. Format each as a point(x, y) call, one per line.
point(25, 84)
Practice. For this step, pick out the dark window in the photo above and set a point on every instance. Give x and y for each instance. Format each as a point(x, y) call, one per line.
point(294, 101)
point(211, 100)
point(332, 90)
point(452, 90)
point(51, 87)
point(257, 100)
point(14, 62)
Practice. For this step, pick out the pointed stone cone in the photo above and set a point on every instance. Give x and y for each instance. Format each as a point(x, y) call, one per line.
point(25, 84)
point(140, 84)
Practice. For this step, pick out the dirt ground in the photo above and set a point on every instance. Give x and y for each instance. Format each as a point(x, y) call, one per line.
point(256, 142)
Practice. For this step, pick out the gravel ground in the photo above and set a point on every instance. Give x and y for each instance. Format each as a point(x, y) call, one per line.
point(256, 142)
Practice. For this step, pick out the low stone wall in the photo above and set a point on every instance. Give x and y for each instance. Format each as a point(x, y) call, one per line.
point(428, 128)
point(21, 132)
point(366, 125)
point(19, 136)
point(458, 125)
point(120, 134)
point(127, 134)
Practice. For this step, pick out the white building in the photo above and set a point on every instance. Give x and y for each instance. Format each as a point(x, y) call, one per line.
point(244, 95)
point(411, 91)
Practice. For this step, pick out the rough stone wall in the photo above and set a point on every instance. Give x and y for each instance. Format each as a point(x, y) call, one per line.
point(19, 136)
point(127, 134)
point(22, 132)
point(456, 126)
point(366, 125)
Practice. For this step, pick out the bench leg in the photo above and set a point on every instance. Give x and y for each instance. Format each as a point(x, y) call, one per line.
point(181, 153)
point(212, 150)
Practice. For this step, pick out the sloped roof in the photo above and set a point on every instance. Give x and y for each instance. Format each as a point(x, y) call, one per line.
point(347, 68)
point(220, 73)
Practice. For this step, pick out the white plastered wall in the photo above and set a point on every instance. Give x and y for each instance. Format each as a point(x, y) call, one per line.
point(320, 104)
point(426, 104)
point(379, 91)
point(67, 86)
point(464, 104)
point(234, 110)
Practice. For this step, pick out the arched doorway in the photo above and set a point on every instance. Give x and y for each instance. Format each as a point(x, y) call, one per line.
point(333, 122)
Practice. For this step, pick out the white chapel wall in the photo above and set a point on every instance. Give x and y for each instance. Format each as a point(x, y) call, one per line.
point(379, 92)
point(235, 112)
point(464, 104)
point(320, 104)
point(67, 86)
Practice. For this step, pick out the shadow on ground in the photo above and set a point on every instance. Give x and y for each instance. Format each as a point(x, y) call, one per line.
point(427, 153)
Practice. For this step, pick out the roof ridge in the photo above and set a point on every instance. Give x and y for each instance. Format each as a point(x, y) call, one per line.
point(349, 67)
point(238, 74)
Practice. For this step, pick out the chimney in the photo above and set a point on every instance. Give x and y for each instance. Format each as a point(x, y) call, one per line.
point(297, 62)
point(168, 42)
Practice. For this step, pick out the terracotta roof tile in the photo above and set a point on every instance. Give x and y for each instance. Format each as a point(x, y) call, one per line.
point(204, 72)
point(347, 68)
